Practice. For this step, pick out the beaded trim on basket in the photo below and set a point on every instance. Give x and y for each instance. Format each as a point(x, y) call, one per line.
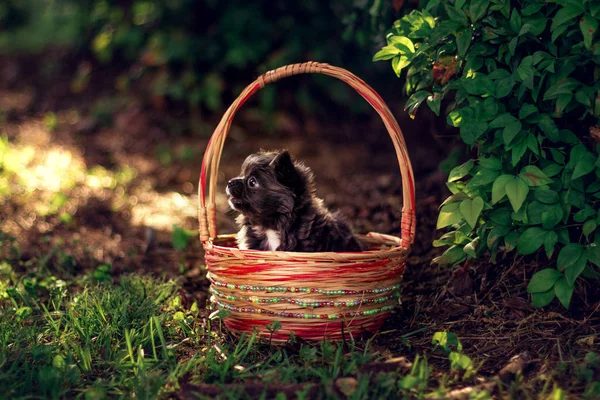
point(349, 314)
point(301, 289)
point(305, 303)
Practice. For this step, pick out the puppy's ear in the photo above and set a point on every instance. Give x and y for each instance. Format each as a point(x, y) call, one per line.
point(285, 170)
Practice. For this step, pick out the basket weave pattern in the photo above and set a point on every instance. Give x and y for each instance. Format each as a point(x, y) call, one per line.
point(315, 295)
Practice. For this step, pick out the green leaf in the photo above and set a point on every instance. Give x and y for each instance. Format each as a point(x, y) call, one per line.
point(546, 196)
point(533, 176)
point(548, 126)
point(558, 32)
point(501, 216)
point(459, 361)
point(538, 24)
point(499, 187)
point(565, 15)
point(518, 150)
point(386, 53)
point(575, 269)
point(502, 120)
point(457, 197)
point(505, 86)
point(449, 215)
point(471, 130)
point(482, 178)
point(471, 248)
point(552, 216)
point(542, 299)
point(499, 74)
point(562, 102)
point(549, 243)
point(442, 30)
point(532, 144)
point(593, 253)
point(589, 227)
point(512, 45)
point(569, 255)
point(181, 238)
point(404, 44)
point(399, 63)
point(543, 280)
point(585, 164)
point(477, 9)
point(584, 98)
point(457, 16)
point(531, 9)
point(471, 209)
point(179, 316)
point(434, 102)
point(408, 382)
point(563, 292)
point(520, 216)
point(510, 241)
point(525, 29)
point(526, 110)
point(492, 163)
point(479, 85)
point(453, 255)
point(563, 86)
point(24, 312)
point(536, 210)
point(525, 69)
point(497, 233)
point(531, 240)
point(414, 101)
point(460, 171)
point(516, 190)
point(511, 131)
point(463, 40)
point(552, 170)
point(557, 213)
point(490, 108)
point(445, 340)
point(557, 156)
point(515, 21)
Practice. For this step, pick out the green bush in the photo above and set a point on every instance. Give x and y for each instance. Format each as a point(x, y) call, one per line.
point(522, 85)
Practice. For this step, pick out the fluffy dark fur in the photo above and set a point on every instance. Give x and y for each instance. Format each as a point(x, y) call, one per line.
point(279, 210)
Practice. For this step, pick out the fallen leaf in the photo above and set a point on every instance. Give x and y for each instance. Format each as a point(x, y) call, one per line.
point(346, 385)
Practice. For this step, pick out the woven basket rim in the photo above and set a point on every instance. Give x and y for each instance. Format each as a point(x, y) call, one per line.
point(311, 256)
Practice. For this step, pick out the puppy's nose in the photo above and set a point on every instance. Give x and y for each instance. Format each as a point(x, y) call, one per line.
point(234, 187)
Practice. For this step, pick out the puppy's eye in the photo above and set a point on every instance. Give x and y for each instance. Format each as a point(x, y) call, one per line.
point(252, 182)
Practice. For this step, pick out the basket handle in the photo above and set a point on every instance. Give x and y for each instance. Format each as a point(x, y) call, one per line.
point(212, 156)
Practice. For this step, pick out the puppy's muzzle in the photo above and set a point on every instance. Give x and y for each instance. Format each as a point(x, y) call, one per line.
point(235, 186)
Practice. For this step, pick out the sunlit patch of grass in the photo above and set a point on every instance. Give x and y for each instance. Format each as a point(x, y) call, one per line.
point(47, 179)
point(163, 210)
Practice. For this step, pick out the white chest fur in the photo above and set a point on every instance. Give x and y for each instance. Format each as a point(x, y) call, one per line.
point(273, 239)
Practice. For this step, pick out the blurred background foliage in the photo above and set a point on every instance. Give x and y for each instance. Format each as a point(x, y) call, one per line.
point(199, 54)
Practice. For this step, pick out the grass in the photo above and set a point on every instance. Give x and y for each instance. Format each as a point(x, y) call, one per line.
point(132, 337)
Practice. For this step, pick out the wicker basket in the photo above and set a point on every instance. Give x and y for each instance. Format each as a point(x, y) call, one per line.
point(315, 295)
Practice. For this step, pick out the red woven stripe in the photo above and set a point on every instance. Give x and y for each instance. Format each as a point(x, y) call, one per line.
point(333, 271)
point(237, 272)
point(314, 331)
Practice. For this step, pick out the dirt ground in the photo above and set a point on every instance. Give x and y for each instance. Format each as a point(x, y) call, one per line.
point(125, 218)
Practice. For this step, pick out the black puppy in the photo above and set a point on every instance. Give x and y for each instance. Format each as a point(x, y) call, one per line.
point(279, 209)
